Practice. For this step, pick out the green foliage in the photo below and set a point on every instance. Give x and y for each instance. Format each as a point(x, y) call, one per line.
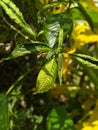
point(60, 65)
point(86, 16)
point(58, 118)
point(27, 48)
point(14, 13)
point(42, 51)
point(53, 24)
point(86, 60)
point(93, 16)
point(4, 119)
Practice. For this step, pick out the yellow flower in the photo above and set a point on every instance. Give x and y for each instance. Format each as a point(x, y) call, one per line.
point(82, 35)
point(95, 128)
point(87, 128)
point(93, 120)
point(66, 64)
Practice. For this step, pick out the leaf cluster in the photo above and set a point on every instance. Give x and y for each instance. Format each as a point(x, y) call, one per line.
point(54, 46)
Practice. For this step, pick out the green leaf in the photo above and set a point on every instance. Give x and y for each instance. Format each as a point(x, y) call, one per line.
point(4, 121)
point(59, 119)
point(92, 75)
point(46, 8)
point(89, 64)
point(86, 60)
point(27, 48)
point(86, 15)
point(76, 14)
point(46, 76)
point(60, 65)
point(60, 38)
point(1, 12)
point(94, 16)
point(14, 13)
point(38, 4)
point(53, 24)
